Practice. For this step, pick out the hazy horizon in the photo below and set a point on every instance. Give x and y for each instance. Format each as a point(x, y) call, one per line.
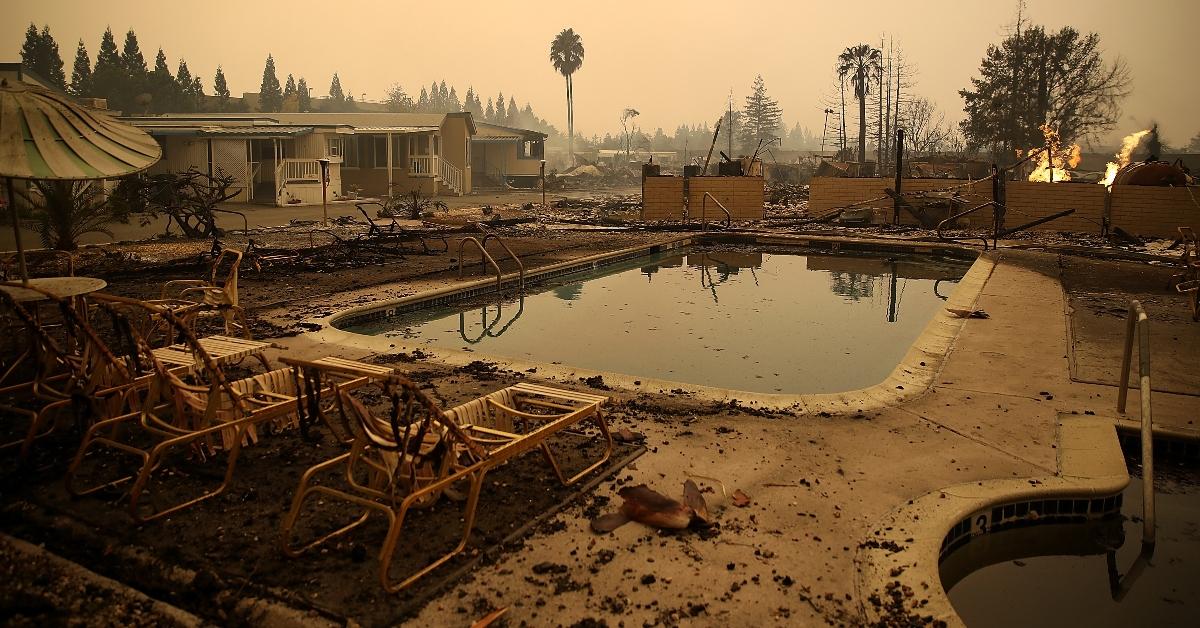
point(676, 64)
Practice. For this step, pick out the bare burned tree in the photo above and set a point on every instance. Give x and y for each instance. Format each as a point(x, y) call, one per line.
point(190, 199)
point(927, 131)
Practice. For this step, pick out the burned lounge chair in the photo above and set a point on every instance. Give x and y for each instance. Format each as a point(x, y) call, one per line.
point(413, 452)
point(198, 414)
point(191, 299)
point(388, 230)
point(75, 372)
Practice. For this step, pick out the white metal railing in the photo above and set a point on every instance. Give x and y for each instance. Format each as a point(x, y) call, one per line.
point(422, 165)
point(451, 175)
point(1138, 323)
point(301, 170)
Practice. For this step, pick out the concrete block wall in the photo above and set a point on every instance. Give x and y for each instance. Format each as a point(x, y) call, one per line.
point(742, 196)
point(827, 193)
point(662, 198)
point(1030, 200)
point(1027, 200)
point(1154, 211)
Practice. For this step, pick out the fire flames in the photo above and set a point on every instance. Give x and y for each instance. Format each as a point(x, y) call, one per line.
point(1051, 165)
point(1130, 142)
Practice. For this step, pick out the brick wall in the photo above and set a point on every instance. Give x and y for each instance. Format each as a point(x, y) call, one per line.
point(662, 197)
point(1154, 211)
point(1030, 200)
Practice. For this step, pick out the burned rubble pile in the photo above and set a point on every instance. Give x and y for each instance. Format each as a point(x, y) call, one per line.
point(786, 200)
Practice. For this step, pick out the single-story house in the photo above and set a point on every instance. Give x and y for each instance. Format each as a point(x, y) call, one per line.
point(503, 156)
point(274, 156)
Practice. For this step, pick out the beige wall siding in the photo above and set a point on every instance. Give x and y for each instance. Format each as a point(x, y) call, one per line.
point(455, 137)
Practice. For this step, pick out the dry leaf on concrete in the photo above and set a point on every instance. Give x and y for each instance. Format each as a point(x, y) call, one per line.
point(740, 499)
point(695, 500)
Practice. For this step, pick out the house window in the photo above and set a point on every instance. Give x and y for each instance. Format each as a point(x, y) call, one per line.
point(399, 146)
point(532, 149)
point(334, 147)
point(350, 157)
point(381, 148)
point(436, 145)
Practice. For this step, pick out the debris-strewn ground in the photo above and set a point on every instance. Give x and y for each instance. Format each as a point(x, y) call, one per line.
point(793, 498)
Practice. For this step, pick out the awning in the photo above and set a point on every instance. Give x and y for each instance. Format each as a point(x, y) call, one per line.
point(497, 139)
point(396, 129)
point(264, 131)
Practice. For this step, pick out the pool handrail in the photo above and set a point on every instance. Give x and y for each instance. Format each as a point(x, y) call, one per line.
point(486, 258)
point(1139, 322)
point(704, 211)
point(488, 234)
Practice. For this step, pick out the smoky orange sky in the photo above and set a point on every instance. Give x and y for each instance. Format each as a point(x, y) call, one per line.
point(674, 62)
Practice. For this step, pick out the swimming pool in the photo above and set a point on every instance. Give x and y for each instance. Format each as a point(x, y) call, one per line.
point(758, 318)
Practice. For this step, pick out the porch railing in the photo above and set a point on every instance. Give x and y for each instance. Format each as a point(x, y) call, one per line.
point(301, 170)
point(422, 165)
point(451, 175)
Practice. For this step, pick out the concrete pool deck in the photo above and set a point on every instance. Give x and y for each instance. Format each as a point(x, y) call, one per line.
point(823, 484)
point(846, 504)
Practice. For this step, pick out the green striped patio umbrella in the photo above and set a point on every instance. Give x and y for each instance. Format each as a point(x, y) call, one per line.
point(45, 135)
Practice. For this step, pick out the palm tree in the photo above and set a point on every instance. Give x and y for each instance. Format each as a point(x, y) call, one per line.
point(862, 64)
point(566, 53)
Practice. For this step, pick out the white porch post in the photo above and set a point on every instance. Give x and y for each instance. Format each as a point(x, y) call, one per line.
point(389, 160)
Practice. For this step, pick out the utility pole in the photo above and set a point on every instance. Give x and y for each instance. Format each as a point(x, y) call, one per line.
point(729, 130)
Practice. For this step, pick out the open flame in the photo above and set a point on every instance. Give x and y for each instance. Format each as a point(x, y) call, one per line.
point(1130, 142)
point(1052, 164)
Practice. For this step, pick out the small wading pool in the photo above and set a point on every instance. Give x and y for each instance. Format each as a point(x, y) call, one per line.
point(756, 319)
point(1089, 573)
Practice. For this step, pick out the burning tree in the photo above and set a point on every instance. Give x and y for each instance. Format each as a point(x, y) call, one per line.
point(1035, 78)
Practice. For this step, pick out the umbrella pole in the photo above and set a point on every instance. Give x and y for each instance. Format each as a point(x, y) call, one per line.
point(12, 208)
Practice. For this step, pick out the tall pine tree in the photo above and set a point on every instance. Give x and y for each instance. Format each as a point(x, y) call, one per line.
point(108, 76)
point(303, 98)
point(40, 55)
point(189, 100)
point(270, 96)
point(337, 97)
point(164, 92)
point(760, 117)
point(291, 102)
point(135, 73)
point(500, 116)
point(81, 73)
point(221, 90)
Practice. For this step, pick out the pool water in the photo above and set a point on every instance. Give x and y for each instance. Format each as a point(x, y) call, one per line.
point(758, 320)
point(1092, 574)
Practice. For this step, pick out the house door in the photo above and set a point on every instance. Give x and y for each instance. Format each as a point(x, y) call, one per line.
point(263, 166)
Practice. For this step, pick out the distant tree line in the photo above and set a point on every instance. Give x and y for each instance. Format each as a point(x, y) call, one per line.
point(124, 80)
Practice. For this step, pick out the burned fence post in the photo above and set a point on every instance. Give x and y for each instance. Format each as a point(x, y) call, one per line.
point(899, 175)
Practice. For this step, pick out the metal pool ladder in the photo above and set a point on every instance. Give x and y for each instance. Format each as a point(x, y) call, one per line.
point(704, 211)
point(1139, 322)
point(487, 259)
